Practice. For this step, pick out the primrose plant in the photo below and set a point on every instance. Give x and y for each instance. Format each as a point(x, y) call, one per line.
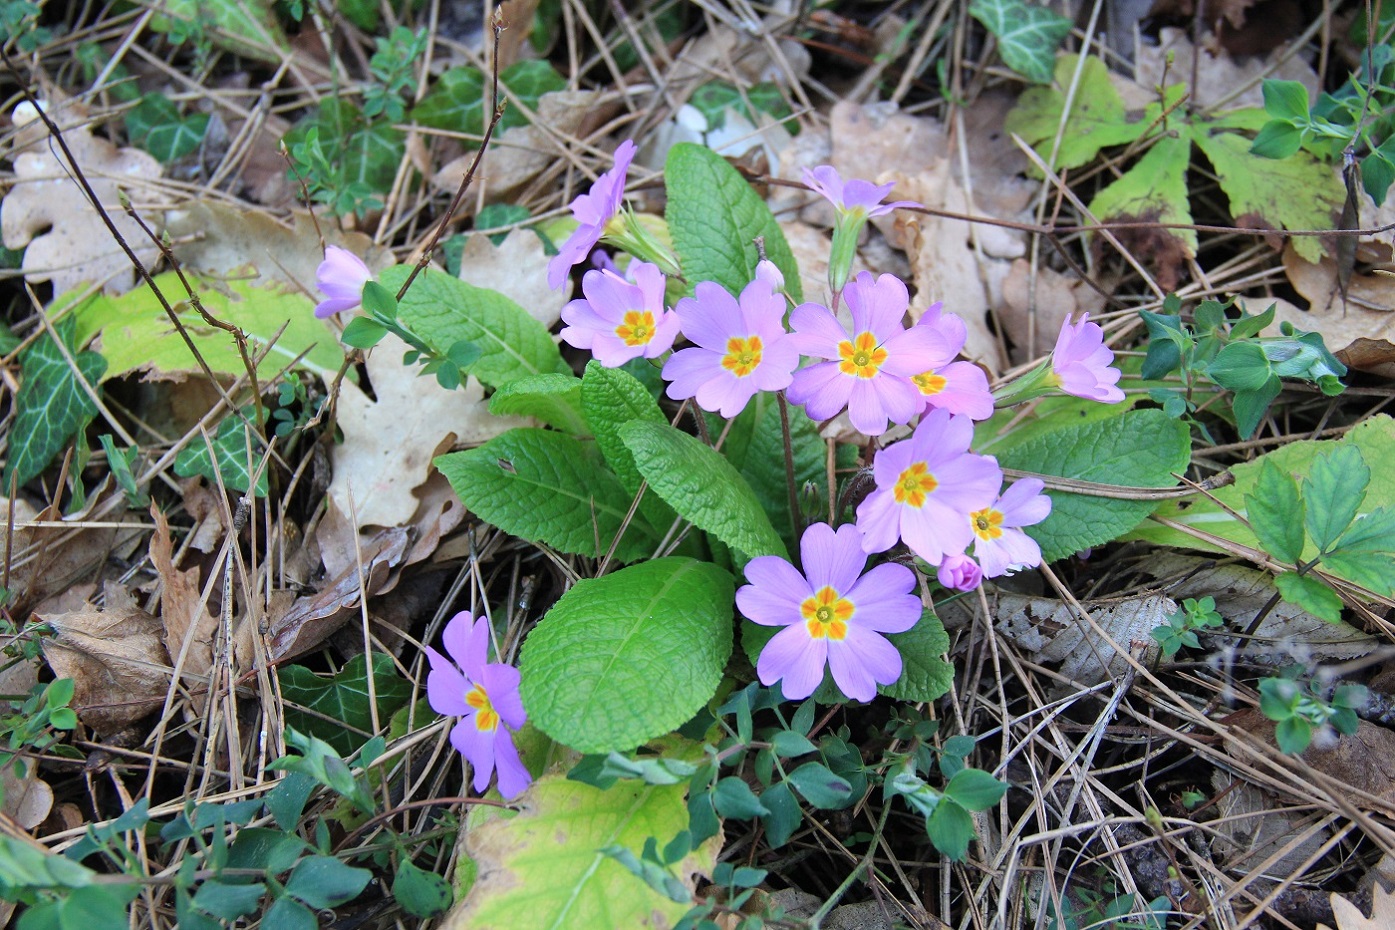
point(687, 472)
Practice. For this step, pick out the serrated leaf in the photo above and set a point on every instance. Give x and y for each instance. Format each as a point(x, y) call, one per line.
point(1332, 494)
point(547, 487)
point(1141, 449)
point(714, 217)
point(611, 398)
point(337, 708)
point(1298, 192)
point(553, 398)
point(701, 486)
point(51, 406)
point(442, 311)
point(1310, 594)
point(543, 869)
point(621, 659)
point(231, 456)
point(156, 126)
point(1276, 514)
point(1028, 35)
point(1097, 117)
point(925, 675)
point(135, 333)
point(1153, 190)
point(1366, 552)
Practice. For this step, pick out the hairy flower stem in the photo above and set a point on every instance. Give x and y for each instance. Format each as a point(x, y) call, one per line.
point(796, 519)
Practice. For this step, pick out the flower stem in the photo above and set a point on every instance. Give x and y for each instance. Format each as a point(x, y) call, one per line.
point(796, 519)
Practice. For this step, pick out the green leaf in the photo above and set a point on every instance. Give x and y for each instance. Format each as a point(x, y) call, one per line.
point(1332, 494)
point(1293, 735)
point(1154, 190)
point(621, 659)
point(821, 788)
point(343, 699)
point(1097, 116)
point(610, 398)
point(136, 334)
point(701, 486)
point(1377, 174)
point(286, 801)
point(458, 101)
point(51, 406)
point(1028, 35)
point(246, 27)
point(265, 848)
point(925, 675)
point(1287, 100)
point(975, 790)
point(1240, 366)
point(733, 798)
point(1140, 448)
point(1366, 552)
point(231, 455)
point(421, 893)
point(1249, 406)
point(1276, 514)
point(324, 881)
point(553, 398)
point(788, 743)
point(714, 217)
point(785, 814)
point(228, 902)
point(1298, 192)
point(363, 333)
point(1311, 595)
point(442, 311)
point(289, 914)
point(155, 125)
point(544, 870)
point(950, 829)
point(547, 487)
point(1276, 139)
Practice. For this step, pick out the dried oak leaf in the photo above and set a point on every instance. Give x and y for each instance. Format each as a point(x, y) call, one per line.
point(189, 627)
point(117, 661)
point(1349, 916)
point(46, 213)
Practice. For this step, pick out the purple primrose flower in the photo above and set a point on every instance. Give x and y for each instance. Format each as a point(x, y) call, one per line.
point(1002, 548)
point(592, 210)
point(619, 320)
point(340, 277)
point(1080, 364)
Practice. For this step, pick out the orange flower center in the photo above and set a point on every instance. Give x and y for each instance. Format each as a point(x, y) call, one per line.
point(987, 523)
point(486, 717)
point(826, 614)
point(861, 358)
point(913, 484)
point(930, 383)
point(743, 355)
point(637, 328)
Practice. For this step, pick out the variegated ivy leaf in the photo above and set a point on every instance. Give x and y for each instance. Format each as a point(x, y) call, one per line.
point(1028, 35)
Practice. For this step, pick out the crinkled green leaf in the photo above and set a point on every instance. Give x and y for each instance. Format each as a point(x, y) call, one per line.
point(925, 675)
point(230, 455)
point(554, 398)
point(547, 487)
point(442, 311)
point(51, 406)
point(1097, 116)
point(611, 398)
point(1028, 35)
point(1276, 514)
point(1153, 190)
point(714, 217)
point(544, 870)
point(337, 708)
point(1140, 449)
point(701, 486)
point(624, 658)
point(135, 332)
point(1298, 192)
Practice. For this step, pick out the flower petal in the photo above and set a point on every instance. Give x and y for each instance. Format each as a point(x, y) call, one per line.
point(501, 684)
point(795, 659)
point(830, 558)
point(477, 746)
point(513, 775)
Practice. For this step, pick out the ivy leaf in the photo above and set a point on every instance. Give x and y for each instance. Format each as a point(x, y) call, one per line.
point(1097, 116)
point(1298, 192)
point(443, 311)
point(230, 455)
point(1028, 35)
point(547, 487)
point(714, 217)
point(51, 406)
point(155, 125)
point(458, 101)
point(624, 658)
point(337, 709)
point(553, 398)
point(1140, 448)
point(701, 486)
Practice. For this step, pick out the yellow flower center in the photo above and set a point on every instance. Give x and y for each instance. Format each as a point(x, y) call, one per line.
point(861, 358)
point(930, 383)
point(486, 717)
point(637, 328)
point(987, 523)
point(913, 484)
point(743, 355)
point(826, 614)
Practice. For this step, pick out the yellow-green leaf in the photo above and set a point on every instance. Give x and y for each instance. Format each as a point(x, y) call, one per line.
point(1154, 190)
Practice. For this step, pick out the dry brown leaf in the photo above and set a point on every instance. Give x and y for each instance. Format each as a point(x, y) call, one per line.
point(517, 17)
point(1217, 74)
point(117, 661)
point(1253, 825)
point(1055, 298)
point(189, 628)
point(53, 559)
point(28, 798)
point(1349, 916)
point(484, 264)
point(389, 443)
point(1365, 760)
point(46, 214)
